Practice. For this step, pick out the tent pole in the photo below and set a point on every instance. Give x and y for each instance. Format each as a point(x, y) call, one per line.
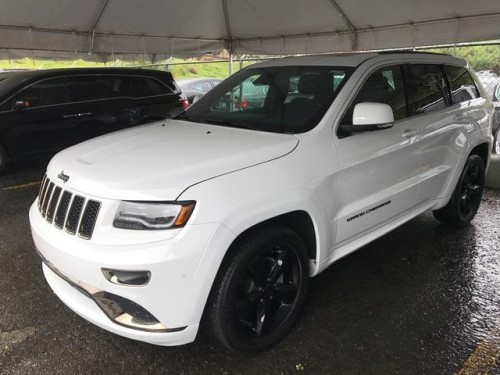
point(230, 63)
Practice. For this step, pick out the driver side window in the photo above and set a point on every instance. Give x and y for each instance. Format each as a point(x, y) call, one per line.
point(385, 85)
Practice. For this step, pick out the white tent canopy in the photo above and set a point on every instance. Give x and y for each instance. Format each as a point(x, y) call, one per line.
point(110, 29)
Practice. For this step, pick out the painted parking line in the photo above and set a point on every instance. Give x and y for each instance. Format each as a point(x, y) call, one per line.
point(485, 358)
point(15, 187)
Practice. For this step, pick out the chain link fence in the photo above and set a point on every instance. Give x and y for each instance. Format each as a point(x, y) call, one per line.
point(484, 59)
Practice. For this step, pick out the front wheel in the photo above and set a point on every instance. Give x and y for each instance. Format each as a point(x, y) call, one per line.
point(259, 290)
point(466, 197)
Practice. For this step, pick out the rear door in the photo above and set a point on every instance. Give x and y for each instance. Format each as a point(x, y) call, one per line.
point(445, 107)
point(379, 170)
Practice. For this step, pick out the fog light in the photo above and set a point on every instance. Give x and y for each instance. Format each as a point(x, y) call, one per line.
point(132, 278)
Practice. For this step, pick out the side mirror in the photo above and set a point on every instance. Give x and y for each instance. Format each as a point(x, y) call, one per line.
point(369, 116)
point(496, 95)
point(375, 115)
point(21, 104)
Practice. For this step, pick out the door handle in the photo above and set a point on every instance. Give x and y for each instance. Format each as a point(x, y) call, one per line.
point(410, 133)
point(84, 114)
point(76, 115)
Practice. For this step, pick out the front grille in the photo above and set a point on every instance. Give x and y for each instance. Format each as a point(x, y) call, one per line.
point(64, 209)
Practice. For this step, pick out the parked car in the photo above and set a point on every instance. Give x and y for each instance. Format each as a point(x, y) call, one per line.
point(46, 111)
point(195, 88)
point(219, 217)
point(491, 83)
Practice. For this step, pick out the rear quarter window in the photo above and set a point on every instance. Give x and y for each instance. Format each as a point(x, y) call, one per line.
point(462, 86)
point(146, 86)
point(426, 88)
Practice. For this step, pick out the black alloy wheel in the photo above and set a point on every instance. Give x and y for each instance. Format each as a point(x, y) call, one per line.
point(259, 290)
point(471, 190)
point(466, 198)
point(268, 291)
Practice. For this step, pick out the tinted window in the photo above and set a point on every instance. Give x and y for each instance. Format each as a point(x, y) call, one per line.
point(84, 88)
point(385, 85)
point(47, 92)
point(250, 93)
point(95, 87)
point(145, 86)
point(120, 86)
point(426, 88)
point(462, 85)
point(6, 106)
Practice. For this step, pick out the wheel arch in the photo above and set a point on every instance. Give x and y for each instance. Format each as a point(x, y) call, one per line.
point(483, 151)
point(299, 221)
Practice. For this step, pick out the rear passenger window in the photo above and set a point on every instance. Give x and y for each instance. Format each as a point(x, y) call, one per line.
point(145, 86)
point(426, 88)
point(120, 86)
point(47, 92)
point(462, 85)
point(385, 85)
point(85, 88)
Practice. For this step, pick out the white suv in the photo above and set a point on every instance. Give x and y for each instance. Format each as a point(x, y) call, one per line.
point(221, 215)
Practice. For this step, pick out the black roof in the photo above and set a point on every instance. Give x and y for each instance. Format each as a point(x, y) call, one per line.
point(14, 80)
point(77, 71)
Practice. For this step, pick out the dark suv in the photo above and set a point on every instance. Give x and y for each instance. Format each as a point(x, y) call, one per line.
point(46, 111)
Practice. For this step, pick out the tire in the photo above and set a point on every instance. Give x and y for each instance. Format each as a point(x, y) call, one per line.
point(466, 198)
point(3, 158)
point(496, 141)
point(259, 291)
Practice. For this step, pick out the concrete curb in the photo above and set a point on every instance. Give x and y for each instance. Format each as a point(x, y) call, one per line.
point(493, 176)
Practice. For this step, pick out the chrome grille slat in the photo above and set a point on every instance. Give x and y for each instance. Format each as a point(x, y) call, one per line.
point(44, 191)
point(63, 209)
point(42, 184)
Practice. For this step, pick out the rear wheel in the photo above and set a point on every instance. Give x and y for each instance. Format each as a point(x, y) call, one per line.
point(466, 197)
point(259, 290)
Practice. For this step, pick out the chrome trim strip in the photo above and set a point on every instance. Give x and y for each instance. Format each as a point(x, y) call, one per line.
point(109, 309)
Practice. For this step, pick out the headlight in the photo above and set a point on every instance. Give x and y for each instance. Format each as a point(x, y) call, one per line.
point(145, 215)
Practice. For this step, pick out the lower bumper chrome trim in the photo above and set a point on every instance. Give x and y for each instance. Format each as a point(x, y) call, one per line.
point(112, 305)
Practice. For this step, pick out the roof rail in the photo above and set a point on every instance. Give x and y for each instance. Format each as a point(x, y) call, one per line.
point(411, 51)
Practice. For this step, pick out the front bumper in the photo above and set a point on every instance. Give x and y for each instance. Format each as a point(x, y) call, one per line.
point(182, 271)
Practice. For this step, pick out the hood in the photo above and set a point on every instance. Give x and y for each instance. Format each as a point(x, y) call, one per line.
point(161, 160)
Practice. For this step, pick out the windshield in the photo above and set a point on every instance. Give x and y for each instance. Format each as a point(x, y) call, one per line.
point(287, 99)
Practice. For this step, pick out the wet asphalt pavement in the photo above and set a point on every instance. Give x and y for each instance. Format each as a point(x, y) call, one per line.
point(424, 299)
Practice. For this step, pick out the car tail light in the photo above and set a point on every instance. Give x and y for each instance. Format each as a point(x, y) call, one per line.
point(184, 101)
point(241, 104)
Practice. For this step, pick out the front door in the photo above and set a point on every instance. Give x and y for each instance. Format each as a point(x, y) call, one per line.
point(36, 122)
point(378, 177)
